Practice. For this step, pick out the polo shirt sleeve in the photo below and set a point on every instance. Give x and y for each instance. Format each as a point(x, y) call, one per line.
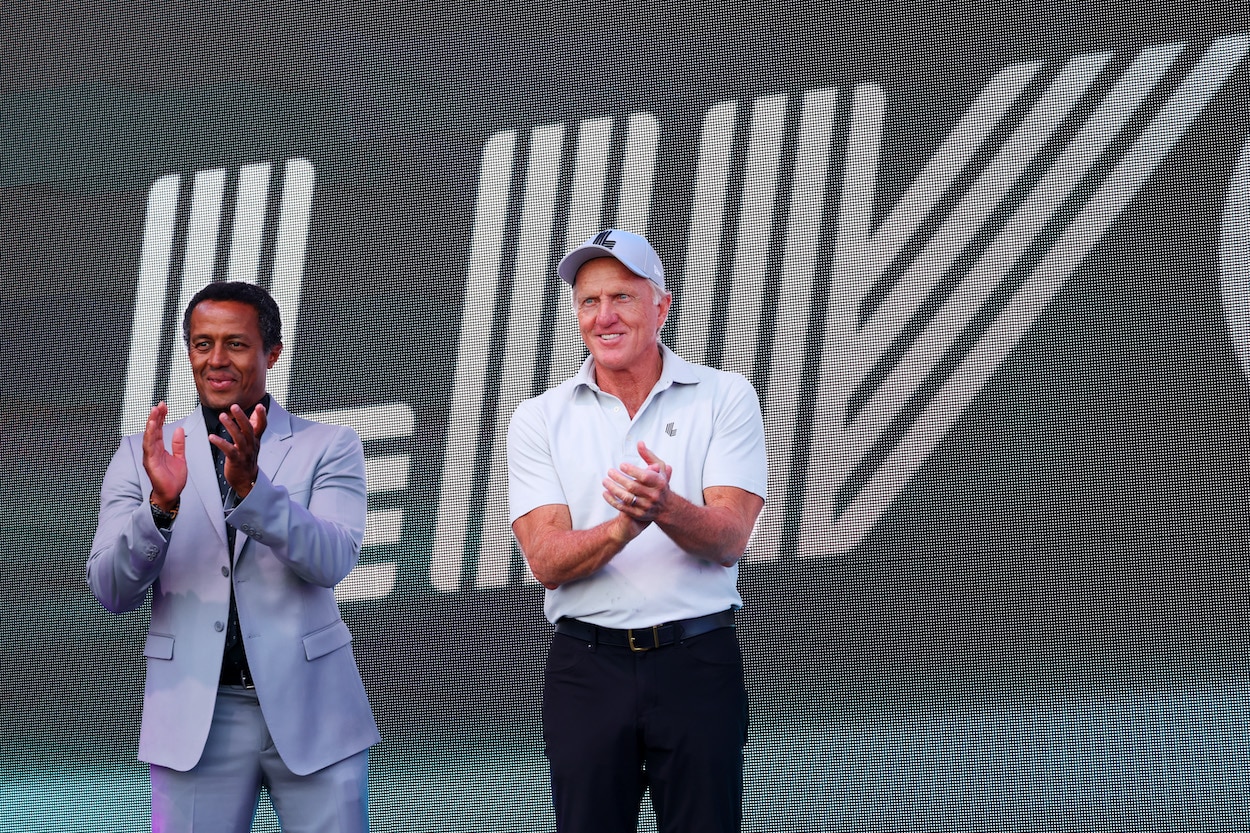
point(737, 456)
point(532, 478)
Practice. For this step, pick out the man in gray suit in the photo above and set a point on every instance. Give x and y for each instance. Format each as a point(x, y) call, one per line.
point(239, 519)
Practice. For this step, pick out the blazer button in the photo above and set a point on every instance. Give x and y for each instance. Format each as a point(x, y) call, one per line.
point(225, 571)
point(219, 627)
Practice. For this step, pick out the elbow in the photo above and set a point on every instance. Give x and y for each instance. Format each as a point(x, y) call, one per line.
point(104, 594)
point(109, 593)
point(114, 606)
point(737, 547)
point(546, 580)
point(722, 557)
point(726, 555)
point(726, 549)
point(114, 603)
point(543, 575)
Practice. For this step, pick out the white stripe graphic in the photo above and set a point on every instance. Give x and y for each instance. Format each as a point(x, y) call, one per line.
point(1063, 177)
point(371, 422)
point(197, 271)
point(794, 291)
point(861, 253)
point(387, 474)
point(975, 207)
point(1001, 338)
point(517, 370)
point(939, 253)
point(590, 172)
point(590, 177)
point(533, 277)
point(862, 256)
point(145, 332)
point(383, 474)
point(707, 216)
point(290, 249)
point(586, 218)
point(367, 581)
point(748, 290)
point(485, 254)
point(633, 210)
point(248, 232)
point(1235, 259)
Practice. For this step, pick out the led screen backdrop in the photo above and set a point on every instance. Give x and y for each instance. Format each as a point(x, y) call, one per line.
point(988, 274)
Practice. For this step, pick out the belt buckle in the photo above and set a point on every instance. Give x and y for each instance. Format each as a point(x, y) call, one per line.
point(655, 640)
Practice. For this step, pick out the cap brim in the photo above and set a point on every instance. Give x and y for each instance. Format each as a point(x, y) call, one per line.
point(574, 260)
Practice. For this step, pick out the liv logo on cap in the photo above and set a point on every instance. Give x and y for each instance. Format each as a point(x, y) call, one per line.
point(629, 248)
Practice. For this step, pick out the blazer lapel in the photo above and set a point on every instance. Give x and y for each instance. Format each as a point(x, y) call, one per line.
point(274, 445)
point(201, 476)
point(276, 441)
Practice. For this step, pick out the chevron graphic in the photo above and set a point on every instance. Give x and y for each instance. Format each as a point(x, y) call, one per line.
point(912, 313)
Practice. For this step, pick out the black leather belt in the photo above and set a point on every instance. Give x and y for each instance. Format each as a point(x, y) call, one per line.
point(645, 639)
point(233, 675)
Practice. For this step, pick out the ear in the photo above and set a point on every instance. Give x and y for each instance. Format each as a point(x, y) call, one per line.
point(666, 301)
point(273, 355)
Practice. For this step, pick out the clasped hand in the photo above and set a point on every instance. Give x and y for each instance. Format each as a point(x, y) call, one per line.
point(638, 493)
point(167, 469)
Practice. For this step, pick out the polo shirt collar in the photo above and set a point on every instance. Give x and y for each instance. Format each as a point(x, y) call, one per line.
point(674, 371)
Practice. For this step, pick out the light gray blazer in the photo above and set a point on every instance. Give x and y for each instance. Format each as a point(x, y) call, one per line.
point(299, 532)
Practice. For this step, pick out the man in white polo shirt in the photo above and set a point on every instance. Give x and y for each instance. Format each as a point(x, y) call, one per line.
point(633, 489)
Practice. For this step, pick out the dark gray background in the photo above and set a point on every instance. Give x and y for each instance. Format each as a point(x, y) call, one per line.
point(1045, 630)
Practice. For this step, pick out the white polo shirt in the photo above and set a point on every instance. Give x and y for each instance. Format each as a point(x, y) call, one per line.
point(703, 422)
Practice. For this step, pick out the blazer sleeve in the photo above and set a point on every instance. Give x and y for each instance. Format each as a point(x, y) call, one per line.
point(320, 541)
point(128, 551)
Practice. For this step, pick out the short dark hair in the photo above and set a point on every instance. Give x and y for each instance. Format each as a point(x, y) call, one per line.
point(266, 307)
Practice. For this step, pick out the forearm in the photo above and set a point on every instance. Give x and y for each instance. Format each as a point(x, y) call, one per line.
point(321, 549)
point(126, 557)
point(558, 555)
point(127, 551)
point(711, 533)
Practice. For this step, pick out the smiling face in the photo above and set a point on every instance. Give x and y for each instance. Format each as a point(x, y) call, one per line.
point(619, 315)
point(228, 357)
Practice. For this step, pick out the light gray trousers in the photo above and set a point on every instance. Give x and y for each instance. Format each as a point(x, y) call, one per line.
point(220, 794)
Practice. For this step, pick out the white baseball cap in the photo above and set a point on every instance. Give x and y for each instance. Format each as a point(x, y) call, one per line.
point(631, 249)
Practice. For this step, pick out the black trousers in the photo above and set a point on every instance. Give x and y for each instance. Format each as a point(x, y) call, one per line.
point(674, 719)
